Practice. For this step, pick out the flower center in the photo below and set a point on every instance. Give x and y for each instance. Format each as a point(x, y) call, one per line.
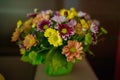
point(55, 38)
point(45, 27)
point(72, 49)
point(64, 30)
point(31, 41)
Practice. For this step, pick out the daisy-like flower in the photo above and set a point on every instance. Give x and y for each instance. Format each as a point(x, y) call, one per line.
point(82, 14)
point(71, 23)
point(65, 31)
point(73, 50)
point(78, 29)
point(49, 32)
point(43, 25)
point(69, 13)
point(40, 17)
point(16, 34)
point(84, 24)
point(94, 26)
point(22, 51)
point(27, 25)
point(29, 41)
point(59, 19)
point(55, 39)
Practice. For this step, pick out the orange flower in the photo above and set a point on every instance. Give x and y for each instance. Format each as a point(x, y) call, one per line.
point(27, 25)
point(16, 35)
point(29, 41)
point(78, 29)
point(40, 17)
point(73, 50)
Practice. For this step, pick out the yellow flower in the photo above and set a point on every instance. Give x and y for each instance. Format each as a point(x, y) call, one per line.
point(68, 13)
point(84, 24)
point(49, 32)
point(19, 23)
point(29, 41)
point(62, 11)
point(55, 39)
point(72, 13)
point(40, 17)
point(22, 51)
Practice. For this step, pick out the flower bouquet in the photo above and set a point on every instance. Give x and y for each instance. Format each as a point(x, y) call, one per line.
point(57, 39)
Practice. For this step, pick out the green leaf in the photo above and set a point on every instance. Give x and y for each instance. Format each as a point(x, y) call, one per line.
point(88, 39)
point(33, 57)
point(104, 30)
point(90, 52)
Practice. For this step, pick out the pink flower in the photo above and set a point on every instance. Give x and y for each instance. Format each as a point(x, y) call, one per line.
point(94, 26)
point(59, 19)
point(73, 50)
point(71, 23)
point(65, 31)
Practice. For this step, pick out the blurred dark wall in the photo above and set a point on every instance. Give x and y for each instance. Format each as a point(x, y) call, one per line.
point(106, 11)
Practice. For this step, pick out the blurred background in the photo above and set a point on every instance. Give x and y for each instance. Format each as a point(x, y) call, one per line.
point(107, 12)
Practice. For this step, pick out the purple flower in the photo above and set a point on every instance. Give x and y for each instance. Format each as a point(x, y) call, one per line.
point(65, 31)
point(72, 23)
point(43, 25)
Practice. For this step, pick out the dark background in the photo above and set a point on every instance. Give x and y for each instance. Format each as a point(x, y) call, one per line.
point(106, 11)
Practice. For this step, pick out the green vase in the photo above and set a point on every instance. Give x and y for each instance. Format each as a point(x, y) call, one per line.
point(58, 70)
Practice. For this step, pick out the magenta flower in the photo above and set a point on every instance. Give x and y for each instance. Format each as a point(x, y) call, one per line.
point(43, 25)
point(65, 31)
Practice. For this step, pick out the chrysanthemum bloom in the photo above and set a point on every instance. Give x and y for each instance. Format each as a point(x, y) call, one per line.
point(27, 25)
point(65, 31)
point(49, 32)
point(59, 19)
point(40, 17)
point(79, 30)
point(68, 13)
point(94, 26)
point(16, 35)
point(71, 23)
point(53, 37)
point(73, 51)
point(29, 41)
point(43, 25)
point(84, 24)
point(22, 51)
